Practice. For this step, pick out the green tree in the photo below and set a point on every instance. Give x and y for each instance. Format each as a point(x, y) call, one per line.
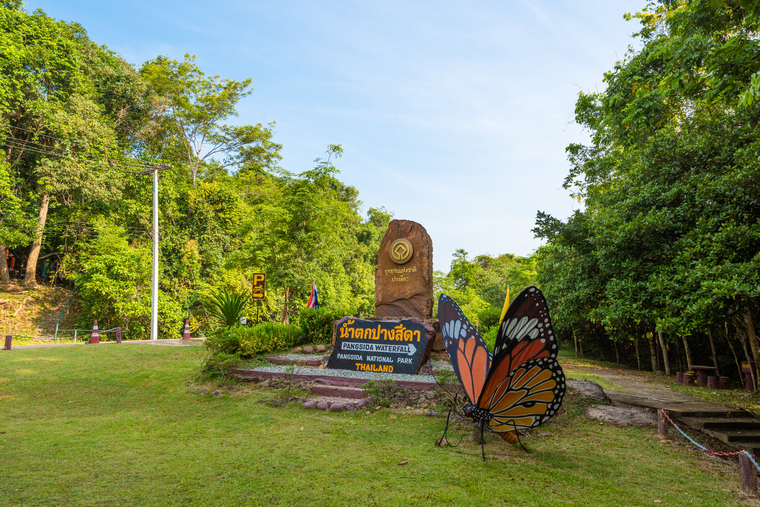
point(668, 237)
point(193, 109)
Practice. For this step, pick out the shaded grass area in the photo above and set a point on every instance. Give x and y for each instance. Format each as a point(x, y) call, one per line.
point(734, 398)
point(118, 425)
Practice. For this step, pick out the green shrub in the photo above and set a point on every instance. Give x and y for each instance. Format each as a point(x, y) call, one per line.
point(381, 392)
point(489, 335)
point(317, 324)
point(489, 317)
point(248, 341)
point(218, 366)
point(224, 341)
point(268, 337)
point(227, 307)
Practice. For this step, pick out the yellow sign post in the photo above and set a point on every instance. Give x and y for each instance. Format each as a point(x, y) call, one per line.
point(259, 285)
point(259, 289)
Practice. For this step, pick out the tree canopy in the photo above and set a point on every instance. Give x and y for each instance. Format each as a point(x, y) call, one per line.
point(669, 237)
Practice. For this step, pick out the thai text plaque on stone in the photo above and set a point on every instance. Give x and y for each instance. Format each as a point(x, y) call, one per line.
point(396, 346)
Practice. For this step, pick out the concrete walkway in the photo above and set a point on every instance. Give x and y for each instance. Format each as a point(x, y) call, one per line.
point(635, 390)
point(193, 342)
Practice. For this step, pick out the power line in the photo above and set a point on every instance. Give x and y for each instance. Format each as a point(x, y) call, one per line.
point(118, 166)
point(131, 162)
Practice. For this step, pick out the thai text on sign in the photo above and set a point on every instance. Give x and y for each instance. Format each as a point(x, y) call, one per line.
point(397, 333)
point(380, 346)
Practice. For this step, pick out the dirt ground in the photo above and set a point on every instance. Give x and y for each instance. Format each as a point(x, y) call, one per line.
point(30, 311)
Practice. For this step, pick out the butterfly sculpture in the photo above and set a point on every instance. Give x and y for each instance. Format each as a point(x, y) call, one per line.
point(520, 385)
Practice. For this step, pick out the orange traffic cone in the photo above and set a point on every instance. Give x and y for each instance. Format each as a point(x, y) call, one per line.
point(95, 336)
point(186, 333)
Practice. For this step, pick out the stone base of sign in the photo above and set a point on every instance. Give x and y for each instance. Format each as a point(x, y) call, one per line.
point(330, 380)
point(338, 391)
point(438, 344)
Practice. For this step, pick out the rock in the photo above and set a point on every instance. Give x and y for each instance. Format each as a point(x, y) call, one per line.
point(297, 350)
point(217, 393)
point(203, 391)
point(588, 388)
point(320, 348)
point(620, 416)
point(363, 403)
point(351, 407)
point(308, 349)
point(404, 283)
point(337, 407)
point(310, 404)
point(322, 405)
point(275, 403)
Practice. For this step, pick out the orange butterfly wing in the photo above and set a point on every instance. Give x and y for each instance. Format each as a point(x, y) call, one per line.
point(525, 385)
point(469, 354)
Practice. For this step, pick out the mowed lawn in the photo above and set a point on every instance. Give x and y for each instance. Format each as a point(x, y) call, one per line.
point(118, 425)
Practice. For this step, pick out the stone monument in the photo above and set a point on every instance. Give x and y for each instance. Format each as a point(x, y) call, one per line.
point(404, 277)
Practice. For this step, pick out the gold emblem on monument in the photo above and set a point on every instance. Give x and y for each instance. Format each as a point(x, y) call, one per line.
point(401, 251)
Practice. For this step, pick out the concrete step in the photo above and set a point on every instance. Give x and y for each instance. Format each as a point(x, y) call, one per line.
point(338, 392)
point(703, 410)
point(722, 423)
point(736, 437)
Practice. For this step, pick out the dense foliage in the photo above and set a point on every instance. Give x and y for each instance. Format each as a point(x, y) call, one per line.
point(479, 286)
point(79, 124)
point(667, 246)
point(249, 341)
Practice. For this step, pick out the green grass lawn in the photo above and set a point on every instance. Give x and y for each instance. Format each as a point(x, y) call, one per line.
point(118, 425)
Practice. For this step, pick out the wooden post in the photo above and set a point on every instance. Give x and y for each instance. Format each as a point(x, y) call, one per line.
point(575, 340)
point(662, 424)
point(118, 335)
point(749, 478)
point(8, 340)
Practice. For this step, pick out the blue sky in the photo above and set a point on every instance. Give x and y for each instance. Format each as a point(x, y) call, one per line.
point(453, 114)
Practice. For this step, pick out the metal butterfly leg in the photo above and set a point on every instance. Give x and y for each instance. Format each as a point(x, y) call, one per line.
point(517, 434)
point(482, 442)
point(442, 441)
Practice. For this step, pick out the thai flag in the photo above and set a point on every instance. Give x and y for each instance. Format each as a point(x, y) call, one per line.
point(313, 301)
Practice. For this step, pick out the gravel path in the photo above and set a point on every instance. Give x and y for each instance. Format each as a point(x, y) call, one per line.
point(312, 370)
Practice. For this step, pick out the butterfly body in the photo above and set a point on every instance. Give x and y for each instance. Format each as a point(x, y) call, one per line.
point(521, 385)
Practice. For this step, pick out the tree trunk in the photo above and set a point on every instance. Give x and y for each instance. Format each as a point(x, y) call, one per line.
point(638, 357)
point(30, 277)
point(5, 275)
point(575, 340)
point(689, 362)
point(753, 342)
point(653, 353)
point(731, 346)
point(743, 339)
point(714, 354)
point(285, 318)
point(664, 353)
point(617, 356)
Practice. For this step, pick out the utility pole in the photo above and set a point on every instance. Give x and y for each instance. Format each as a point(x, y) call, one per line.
point(154, 279)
